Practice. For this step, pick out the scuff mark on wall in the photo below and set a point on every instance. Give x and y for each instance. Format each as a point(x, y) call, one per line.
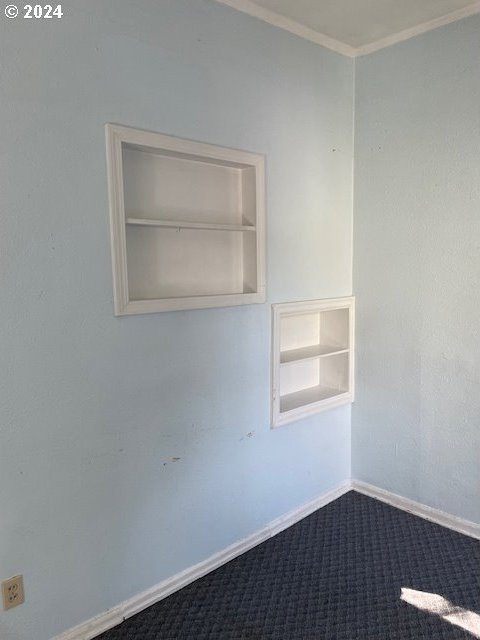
point(170, 460)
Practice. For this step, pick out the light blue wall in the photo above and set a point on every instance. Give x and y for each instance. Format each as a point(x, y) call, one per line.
point(93, 407)
point(416, 420)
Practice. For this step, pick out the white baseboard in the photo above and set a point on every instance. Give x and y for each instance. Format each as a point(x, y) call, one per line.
point(428, 513)
point(109, 619)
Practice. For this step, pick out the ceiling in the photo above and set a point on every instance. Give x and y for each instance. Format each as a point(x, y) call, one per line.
point(357, 27)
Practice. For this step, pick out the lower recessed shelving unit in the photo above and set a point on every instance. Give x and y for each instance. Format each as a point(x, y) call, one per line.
point(312, 357)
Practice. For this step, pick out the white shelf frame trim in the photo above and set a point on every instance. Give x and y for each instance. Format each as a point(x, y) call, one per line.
point(289, 407)
point(116, 137)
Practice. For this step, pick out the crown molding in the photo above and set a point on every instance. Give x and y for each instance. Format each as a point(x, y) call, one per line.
point(406, 34)
point(287, 24)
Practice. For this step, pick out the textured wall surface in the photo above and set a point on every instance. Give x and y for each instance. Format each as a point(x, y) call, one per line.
point(416, 420)
point(94, 409)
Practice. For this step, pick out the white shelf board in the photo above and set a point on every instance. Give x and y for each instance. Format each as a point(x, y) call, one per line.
point(177, 224)
point(306, 397)
point(309, 353)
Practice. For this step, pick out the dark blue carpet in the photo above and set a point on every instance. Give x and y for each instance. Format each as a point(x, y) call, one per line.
point(336, 575)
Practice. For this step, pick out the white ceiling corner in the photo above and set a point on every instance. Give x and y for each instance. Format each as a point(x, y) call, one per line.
point(357, 27)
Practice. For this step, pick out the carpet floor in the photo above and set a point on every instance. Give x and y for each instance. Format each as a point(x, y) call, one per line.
point(357, 569)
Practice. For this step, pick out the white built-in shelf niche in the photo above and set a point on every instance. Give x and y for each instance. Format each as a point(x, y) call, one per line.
point(313, 357)
point(187, 223)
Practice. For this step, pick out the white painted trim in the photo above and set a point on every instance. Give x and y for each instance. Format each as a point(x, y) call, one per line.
point(406, 34)
point(466, 527)
point(200, 152)
point(111, 618)
point(117, 215)
point(288, 24)
point(286, 309)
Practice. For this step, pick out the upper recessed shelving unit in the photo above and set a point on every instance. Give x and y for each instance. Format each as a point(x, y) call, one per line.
point(187, 223)
point(312, 357)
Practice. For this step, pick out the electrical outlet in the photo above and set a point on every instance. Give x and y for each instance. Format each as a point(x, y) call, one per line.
point(12, 592)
